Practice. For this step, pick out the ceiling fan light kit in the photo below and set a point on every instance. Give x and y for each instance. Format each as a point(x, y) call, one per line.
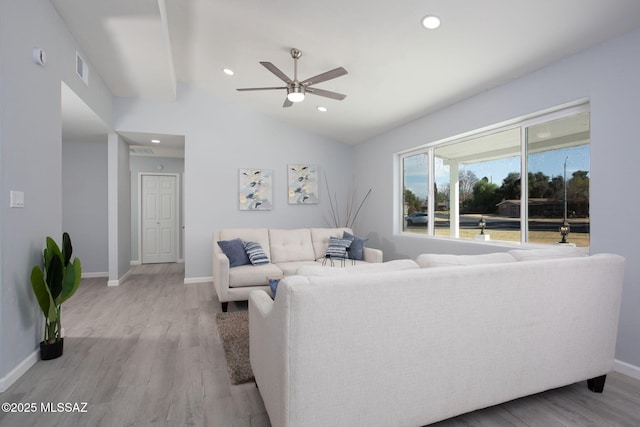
point(296, 89)
point(295, 93)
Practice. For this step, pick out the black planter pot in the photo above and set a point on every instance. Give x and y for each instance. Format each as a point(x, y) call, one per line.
point(51, 351)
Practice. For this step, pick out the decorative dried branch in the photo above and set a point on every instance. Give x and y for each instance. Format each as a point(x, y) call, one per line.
point(359, 207)
point(334, 214)
point(334, 220)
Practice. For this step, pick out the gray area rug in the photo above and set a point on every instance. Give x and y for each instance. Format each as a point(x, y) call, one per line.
point(233, 328)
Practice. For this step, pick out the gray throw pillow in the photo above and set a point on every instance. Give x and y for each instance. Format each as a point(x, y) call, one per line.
point(356, 250)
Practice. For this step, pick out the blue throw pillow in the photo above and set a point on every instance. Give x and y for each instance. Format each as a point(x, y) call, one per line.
point(338, 247)
point(357, 246)
point(273, 284)
point(234, 250)
point(255, 253)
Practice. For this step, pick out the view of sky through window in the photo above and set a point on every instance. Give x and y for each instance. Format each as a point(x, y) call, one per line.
point(551, 163)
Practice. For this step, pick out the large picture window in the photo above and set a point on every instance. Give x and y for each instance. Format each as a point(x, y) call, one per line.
point(415, 189)
point(523, 181)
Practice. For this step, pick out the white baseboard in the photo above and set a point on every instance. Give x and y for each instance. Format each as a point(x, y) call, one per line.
point(120, 280)
point(137, 262)
point(18, 371)
point(94, 275)
point(190, 280)
point(627, 369)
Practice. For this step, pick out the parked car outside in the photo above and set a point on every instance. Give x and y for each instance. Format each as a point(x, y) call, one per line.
point(417, 218)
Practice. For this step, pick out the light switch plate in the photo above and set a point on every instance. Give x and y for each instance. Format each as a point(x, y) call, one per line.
point(17, 199)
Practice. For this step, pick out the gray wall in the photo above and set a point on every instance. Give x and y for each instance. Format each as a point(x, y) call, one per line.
point(146, 164)
point(119, 208)
point(220, 138)
point(84, 202)
point(124, 209)
point(608, 76)
point(31, 160)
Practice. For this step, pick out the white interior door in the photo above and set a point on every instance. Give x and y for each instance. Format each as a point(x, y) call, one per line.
point(159, 219)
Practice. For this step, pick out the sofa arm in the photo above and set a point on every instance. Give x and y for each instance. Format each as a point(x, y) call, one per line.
point(221, 276)
point(372, 255)
point(268, 353)
point(262, 304)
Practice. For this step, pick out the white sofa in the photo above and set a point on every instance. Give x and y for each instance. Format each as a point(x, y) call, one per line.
point(412, 347)
point(287, 250)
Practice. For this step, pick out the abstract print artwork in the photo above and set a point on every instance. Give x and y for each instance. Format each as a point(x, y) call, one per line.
point(303, 184)
point(255, 189)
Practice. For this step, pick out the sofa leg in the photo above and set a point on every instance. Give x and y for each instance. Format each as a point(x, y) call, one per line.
point(225, 306)
point(596, 384)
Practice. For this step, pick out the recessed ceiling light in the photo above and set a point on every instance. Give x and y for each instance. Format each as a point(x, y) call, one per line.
point(321, 108)
point(155, 141)
point(228, 71)
point(431, 22)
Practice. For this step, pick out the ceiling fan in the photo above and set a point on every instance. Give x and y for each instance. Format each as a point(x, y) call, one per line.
point(296, 90)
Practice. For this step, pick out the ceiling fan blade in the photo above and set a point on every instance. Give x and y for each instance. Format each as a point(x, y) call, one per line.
point(287, 103)
point(325, 93)
point(275, 70)
point(332, 74)
point(260, 88)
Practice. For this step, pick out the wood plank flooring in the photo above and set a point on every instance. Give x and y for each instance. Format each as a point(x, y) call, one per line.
point(147, 353)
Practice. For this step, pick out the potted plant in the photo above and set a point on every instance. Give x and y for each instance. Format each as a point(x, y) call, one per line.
point(53, 286)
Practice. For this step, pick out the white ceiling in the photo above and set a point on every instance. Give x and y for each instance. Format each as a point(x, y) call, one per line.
point(398, 71)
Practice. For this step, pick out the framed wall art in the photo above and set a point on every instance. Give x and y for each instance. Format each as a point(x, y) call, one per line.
point(302, 183)
point(255, 189)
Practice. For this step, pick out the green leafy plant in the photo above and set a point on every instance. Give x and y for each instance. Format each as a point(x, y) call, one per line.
point(56, 284)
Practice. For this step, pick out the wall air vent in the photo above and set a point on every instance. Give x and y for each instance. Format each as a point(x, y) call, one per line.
point(82, 70)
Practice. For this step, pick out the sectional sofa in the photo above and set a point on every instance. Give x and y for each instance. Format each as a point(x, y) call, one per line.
point(437, 338)
point(285, 251)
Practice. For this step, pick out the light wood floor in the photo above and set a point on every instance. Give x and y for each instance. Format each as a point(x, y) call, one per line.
point(147, 353)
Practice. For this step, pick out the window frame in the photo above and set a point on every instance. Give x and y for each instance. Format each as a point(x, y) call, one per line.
point(522, 123)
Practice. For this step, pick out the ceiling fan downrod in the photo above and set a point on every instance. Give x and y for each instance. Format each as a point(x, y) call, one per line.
point(295, 92)
point(295, 54)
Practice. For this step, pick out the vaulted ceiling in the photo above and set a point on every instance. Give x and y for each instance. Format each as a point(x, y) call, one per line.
point(397, 69)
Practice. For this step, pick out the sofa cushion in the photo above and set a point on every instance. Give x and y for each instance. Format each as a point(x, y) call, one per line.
point(356, 250)
point(291, 245)
point(234, 250)
point(338, 247)
point(320, 239)
point(255, 253)
point(444, 260)
point(318, 270)
point(546, 253)
point(290, 268)
point(259, 235)
point(252, 275)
